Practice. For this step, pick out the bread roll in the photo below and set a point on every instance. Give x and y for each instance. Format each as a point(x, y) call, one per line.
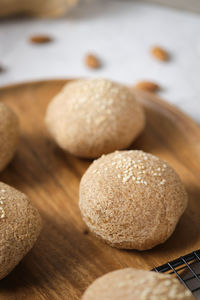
point(40, 8)
point(133, 284)
point(19, 230)
point(131, 199)
point(9, 135)
point(91, 117)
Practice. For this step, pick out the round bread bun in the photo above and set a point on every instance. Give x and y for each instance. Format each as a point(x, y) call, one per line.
point(132, 284)
point(20, 227)
point(9, 135)
point(91, 117)
point(131, 199)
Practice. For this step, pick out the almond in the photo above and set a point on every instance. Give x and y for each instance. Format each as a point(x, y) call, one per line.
point(92, 61)
point(159, 53)
point(148, 86)
point(40, 39)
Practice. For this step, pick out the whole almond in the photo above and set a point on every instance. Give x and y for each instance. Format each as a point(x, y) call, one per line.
point(92, 61)
point(148, 86)
point(159, 53)
point(40, 39)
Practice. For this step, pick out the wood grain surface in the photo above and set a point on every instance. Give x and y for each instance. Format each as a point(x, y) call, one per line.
point(66, 258)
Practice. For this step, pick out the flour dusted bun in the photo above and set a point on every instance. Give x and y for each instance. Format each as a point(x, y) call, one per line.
point(132, 284)
point(44, 8)
point(92, 117)
point(20, 227)
point(9, 135)
point(131, 199)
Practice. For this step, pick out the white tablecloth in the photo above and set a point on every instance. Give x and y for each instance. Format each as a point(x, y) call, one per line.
point(120, 32)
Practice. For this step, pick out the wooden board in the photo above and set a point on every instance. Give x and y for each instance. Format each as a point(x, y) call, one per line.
point(66, 259)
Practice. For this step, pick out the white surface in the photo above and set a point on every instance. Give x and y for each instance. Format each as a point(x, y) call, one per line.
point(121, 32)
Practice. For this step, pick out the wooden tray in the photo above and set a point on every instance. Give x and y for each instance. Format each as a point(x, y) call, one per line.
point(66, 259)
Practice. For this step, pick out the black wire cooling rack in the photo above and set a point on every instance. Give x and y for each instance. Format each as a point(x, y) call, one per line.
point(187, 269)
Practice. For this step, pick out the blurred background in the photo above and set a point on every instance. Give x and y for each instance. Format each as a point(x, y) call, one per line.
point(120, 33)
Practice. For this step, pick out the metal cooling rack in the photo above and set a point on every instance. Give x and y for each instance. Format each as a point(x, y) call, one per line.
point(187, 269)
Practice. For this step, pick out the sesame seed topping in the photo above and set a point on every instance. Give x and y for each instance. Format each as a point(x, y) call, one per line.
point(163, 181)
point(2, 212)
point(2, 198)
point(139, 170)
point(167, 282)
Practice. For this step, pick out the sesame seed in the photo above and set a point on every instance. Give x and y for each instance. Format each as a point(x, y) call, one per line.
point(100, 120)
point(124, 180)
point(2, 198)
point(2, 212)
point(163, 181)
point(122, 284)
point(187, 293)
point(167, 282)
